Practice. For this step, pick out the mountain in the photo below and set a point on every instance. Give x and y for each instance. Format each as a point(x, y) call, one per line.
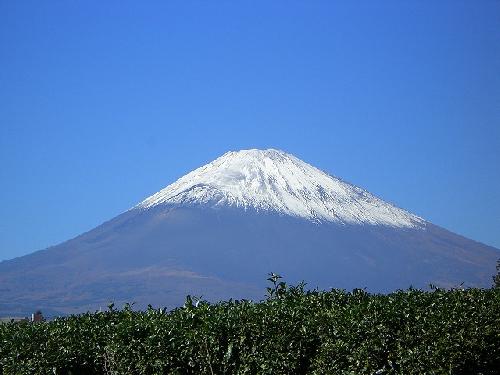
point(218, 231)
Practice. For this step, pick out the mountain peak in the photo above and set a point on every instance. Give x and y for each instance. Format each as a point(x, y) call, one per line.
point(273, 180)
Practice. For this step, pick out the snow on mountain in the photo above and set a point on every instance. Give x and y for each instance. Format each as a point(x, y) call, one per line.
point(272, 180)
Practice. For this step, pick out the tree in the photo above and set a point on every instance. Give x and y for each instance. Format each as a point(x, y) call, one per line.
point(496, 278)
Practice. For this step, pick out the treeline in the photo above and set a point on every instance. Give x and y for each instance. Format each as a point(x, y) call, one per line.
point(293, 331)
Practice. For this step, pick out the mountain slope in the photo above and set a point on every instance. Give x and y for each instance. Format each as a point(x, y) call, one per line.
point(219, 230)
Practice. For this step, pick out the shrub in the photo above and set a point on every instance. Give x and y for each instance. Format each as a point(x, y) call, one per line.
point(293, 331)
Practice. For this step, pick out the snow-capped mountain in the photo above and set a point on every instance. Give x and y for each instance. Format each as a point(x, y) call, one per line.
point(272, 180)
point(218, 231)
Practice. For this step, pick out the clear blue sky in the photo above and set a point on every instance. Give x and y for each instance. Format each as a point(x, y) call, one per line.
point(102, 103)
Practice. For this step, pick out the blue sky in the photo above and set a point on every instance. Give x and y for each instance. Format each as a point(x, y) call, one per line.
point(104, 103)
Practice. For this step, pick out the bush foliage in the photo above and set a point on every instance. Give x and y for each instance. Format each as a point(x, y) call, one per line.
point(293, 331)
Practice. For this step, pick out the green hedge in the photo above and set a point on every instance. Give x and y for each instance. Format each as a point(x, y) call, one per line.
point(292, 332)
